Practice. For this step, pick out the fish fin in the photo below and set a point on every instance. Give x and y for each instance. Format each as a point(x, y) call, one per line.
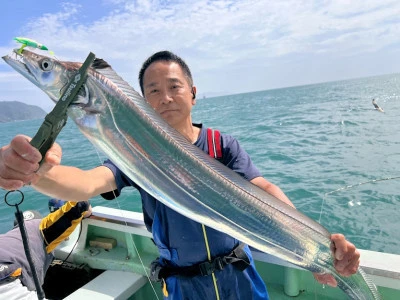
point(102, 67)
point(100, 63)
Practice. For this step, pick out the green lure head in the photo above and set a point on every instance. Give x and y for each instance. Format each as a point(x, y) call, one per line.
point(30, 43)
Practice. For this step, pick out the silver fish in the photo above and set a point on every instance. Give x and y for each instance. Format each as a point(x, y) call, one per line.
point(118, 121)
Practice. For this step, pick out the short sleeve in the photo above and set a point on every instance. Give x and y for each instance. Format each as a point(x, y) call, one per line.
point(236, 158)
point(121, 180)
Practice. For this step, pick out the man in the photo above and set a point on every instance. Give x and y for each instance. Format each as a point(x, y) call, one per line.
point(16, 279)
point(185, 246)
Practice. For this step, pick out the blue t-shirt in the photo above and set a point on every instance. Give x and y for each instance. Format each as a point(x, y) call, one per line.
point(179, 239)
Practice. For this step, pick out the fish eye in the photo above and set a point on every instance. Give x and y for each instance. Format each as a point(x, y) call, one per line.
point(46, 65)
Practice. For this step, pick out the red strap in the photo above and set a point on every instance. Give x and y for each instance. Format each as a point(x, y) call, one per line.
point(210, 142)
point(214, 143)
point(217, 143)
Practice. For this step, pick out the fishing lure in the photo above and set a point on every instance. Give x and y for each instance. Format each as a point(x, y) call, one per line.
point(30, 43)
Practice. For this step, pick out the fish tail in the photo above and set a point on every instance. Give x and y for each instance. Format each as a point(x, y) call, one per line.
point(359, 286)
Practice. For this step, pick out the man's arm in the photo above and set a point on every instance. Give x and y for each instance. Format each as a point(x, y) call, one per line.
point(271, 189)
point(19, 165)
point(73, 184)
point(346, 255)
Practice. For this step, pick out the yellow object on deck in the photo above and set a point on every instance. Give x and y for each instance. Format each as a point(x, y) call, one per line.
point(105, 243)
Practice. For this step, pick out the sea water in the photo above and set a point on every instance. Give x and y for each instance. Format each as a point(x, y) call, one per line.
point(312, 141)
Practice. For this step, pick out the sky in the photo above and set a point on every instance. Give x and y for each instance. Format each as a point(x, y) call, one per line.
point(231, 46)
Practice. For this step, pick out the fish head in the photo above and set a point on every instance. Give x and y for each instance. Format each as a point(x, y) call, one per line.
point(47, 73)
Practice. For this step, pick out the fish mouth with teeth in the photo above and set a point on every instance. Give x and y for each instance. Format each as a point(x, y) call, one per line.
point(19, 63)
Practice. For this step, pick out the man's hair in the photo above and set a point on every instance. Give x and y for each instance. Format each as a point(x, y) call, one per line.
point(168, 57)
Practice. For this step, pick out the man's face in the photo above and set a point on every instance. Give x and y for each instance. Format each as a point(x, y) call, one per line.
point(167, 90)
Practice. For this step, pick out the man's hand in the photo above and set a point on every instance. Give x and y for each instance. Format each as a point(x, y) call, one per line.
point(346, 259)
point(19, 163)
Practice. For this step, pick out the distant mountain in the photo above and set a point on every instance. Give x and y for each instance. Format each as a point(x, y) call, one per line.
point(17, 111)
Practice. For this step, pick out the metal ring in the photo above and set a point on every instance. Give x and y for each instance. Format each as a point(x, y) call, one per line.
point(16, 204)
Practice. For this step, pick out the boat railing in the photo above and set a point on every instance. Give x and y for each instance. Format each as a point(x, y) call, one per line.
point(128, 227)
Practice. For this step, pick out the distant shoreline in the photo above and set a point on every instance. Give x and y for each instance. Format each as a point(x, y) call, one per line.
point(13, 111)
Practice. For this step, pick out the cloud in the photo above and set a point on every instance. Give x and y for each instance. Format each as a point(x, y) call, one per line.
point(222, 37)
point(223, 28)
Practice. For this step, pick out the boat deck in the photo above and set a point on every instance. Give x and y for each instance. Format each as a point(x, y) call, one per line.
point(284, 281)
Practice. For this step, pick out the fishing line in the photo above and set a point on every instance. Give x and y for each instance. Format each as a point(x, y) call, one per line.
point(126, 225)
point(350, 187)
point(76, 243)
point(362, 183)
